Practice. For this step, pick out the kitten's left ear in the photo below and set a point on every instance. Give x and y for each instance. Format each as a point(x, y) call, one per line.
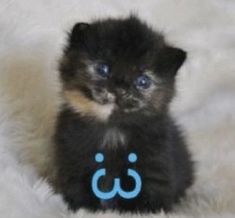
point(78, 32)
point(170, 59)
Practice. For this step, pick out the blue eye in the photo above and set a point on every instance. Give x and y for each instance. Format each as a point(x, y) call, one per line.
point(103, 70)
point(143, 82)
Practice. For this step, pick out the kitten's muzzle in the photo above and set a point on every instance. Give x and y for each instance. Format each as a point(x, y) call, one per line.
point(125, 100)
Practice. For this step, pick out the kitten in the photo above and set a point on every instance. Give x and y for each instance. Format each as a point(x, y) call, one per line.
point(118, 79)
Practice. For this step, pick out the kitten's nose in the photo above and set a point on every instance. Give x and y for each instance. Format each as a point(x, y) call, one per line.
point(121, 92)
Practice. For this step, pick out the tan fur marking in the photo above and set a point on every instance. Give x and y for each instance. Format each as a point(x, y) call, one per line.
point(87, 107)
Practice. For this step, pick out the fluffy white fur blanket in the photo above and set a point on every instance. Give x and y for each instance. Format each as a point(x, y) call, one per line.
point(32, 34)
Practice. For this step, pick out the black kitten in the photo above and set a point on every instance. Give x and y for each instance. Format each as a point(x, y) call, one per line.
point(118, 79)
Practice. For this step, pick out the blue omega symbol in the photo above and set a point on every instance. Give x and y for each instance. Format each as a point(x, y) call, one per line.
point(117, 190)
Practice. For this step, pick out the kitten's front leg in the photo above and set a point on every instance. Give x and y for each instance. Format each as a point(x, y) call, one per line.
point(77, 196)
point(147, 203)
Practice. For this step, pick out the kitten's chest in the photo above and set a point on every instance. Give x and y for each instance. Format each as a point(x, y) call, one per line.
point(113, 138)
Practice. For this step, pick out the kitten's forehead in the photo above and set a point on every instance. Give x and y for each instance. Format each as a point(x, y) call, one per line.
point(128, 39)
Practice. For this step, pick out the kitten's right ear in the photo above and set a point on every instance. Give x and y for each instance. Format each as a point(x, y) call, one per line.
point(170, 60)
point(78, 32)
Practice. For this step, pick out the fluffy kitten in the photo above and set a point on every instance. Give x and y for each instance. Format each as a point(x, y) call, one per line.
point(118, 79)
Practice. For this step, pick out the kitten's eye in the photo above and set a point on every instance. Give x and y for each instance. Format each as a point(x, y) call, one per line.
point(143, 82)
point(103, 70)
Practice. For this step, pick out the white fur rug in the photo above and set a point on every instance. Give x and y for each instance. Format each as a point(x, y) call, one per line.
point(32, 34)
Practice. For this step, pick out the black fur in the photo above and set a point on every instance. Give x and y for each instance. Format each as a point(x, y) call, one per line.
point(163, 160)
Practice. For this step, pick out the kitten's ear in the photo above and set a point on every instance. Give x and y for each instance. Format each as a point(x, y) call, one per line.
point(170, 59)
point(78, 32)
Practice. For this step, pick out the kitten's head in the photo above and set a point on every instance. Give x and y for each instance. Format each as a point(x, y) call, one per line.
point(118, 67)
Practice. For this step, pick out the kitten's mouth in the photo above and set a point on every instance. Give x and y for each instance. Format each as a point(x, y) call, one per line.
point(117, 106)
